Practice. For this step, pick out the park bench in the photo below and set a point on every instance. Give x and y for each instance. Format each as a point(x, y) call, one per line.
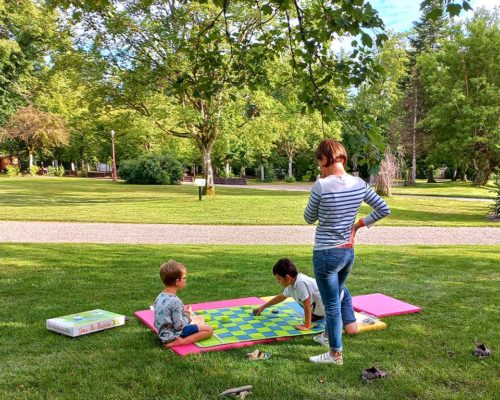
point(229, 181)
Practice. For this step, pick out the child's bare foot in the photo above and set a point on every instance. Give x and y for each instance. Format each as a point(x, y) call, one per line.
point(176, 342)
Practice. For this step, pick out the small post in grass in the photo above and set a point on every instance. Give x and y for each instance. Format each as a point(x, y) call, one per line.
point(200, 183)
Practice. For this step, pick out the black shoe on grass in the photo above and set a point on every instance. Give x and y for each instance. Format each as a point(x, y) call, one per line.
point(482, 351)
point(372, 373)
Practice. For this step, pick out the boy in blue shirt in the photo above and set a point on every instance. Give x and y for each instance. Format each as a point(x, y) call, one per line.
point(304, 291)
point(175, 322)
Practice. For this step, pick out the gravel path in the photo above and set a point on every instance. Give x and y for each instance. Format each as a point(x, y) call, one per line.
point(67, 232)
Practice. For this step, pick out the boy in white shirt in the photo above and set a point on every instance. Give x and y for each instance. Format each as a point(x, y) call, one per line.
point(304, 291)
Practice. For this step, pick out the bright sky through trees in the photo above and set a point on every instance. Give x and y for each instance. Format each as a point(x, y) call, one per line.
point(398, 15)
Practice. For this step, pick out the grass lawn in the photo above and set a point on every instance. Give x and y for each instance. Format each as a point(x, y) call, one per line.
point(90, 200)
point(442, 188)
point(448, 189)
point(427, 355)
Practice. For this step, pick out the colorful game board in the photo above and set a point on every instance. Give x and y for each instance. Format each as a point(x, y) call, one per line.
point(85, 322)
point(238, 324)
point(147, 318)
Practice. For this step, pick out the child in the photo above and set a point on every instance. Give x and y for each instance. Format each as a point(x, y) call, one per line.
point(304, 291)
point(175, 322)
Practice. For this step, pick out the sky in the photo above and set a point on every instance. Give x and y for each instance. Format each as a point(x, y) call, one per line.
point(398, 15)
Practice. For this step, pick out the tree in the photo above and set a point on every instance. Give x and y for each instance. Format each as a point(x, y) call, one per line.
point(27, 32)
point(195, 53)
point(462, 81)
point(424, 38)
point(389, 169)
point(376, 108)
point(37, 129)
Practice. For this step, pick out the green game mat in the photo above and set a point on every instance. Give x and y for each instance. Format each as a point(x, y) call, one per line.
point(243, 326)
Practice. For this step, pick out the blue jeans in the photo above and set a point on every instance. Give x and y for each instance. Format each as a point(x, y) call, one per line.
point(331, 268)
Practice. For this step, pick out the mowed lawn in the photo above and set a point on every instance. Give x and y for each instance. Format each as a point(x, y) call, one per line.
point(427, 355)
point(90, 200)
point(448, 189)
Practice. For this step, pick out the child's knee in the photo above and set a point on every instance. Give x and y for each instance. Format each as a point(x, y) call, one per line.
point(206, 328)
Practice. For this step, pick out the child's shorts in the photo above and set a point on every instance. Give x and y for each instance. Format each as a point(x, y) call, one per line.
point(348, 316)
point(189, 330)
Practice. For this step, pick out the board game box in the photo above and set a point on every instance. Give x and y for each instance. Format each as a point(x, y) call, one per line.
point(85, 322)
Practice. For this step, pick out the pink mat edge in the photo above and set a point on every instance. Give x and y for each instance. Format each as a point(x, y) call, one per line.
point(407, 307)
point(146, 316)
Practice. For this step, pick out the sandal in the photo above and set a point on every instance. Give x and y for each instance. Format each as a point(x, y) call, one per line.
point(258, 355)
point(372, 373)
point(241, 392)
point(482, 351)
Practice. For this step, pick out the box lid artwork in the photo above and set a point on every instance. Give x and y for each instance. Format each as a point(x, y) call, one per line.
point(85, 322)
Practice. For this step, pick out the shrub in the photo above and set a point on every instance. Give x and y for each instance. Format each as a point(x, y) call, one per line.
point(223, 174)
point(59, 171)
point(172, 169)
point(387, 173)
point(495, 207)
point(269, 174)
point(33, 170)
point(82, 173)
point(152, 170)
point(12, 170)
point(290, 179)
point(55, 171)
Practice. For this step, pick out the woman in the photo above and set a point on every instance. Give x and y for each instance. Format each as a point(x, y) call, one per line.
point(334, 202)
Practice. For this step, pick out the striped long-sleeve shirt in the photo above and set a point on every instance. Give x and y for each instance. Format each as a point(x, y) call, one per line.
point(334, 202)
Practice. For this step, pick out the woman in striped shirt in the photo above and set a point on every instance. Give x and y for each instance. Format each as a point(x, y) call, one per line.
point(334, 202)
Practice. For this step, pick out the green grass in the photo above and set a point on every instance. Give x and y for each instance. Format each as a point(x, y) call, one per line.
point(448, 189)
point(442, 188)
point(90, 200)
point(427, 355)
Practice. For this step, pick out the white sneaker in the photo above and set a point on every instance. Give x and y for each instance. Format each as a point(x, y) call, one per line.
point(327, 358)
point(321, 339)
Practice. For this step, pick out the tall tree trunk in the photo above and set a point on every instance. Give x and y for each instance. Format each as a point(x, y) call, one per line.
point(483, 173)
point(413, 176)
point(430, 174)
point(208, 171)
point(481, 178)
point(228, 168)
point(290, 166)
point(261, 171)
point(31, 158)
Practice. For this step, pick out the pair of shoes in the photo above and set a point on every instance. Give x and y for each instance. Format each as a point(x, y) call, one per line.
point(372, 373)
point(258, 355)
point(482, 351)
point(327, 358)
point(321, 339)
